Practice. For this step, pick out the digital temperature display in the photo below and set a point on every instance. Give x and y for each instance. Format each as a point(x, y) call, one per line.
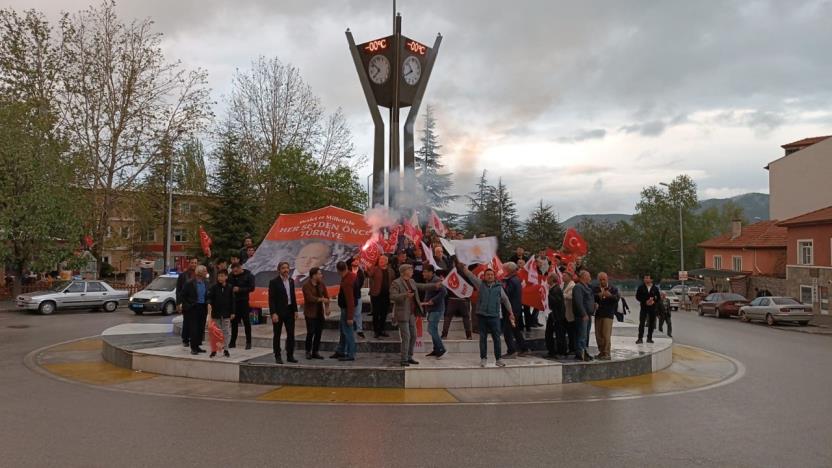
point(376, 46)
point(415, 47)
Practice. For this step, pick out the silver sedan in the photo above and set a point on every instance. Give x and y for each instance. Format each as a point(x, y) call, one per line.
point(73, 295)
point(774, 309)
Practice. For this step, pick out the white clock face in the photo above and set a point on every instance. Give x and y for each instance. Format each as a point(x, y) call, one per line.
point(379, 69)
point(411, 70)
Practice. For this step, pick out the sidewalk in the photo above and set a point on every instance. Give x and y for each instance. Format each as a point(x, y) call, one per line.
point(820, 325)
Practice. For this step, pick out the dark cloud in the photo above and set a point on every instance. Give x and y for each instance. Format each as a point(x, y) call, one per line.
point(583, 135)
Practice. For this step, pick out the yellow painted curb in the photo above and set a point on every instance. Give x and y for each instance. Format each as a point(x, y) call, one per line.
point(358, 395)
point(686, 353)
point(98, 373)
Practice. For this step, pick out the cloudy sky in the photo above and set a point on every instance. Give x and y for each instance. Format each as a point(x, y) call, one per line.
point(578, 103)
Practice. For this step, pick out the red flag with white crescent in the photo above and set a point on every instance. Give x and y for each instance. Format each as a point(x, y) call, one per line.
point(393, 239)
point(575, 244)
point(457, 285)
point(436, 224)
point(205, 242)
point(412, 230)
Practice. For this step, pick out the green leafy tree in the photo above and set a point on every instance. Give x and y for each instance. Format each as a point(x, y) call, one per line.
point(189, 168)
point(296, 182)
point(542, 229)
point(436, 184)
point(610, 246)
point(39, 213)
point(233, 214)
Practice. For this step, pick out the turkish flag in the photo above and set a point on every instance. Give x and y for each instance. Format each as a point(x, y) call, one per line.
point(412, 230)
point(205, 242)
point(457, 285)
point(575, 244)
point(88, 242)
point(436, 224)
point(495, 264)
point(392, 241)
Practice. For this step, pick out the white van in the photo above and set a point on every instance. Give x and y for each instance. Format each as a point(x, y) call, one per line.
point(159, 295)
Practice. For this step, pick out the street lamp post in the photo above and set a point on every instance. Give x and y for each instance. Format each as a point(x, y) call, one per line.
point(681, 241)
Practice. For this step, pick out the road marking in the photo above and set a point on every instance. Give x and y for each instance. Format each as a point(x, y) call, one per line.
point(358, 395)
point(663, 381)
point(97, 373)
point(687, 353)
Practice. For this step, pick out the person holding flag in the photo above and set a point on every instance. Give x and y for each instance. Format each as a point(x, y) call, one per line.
point(491, 297)
point(515, 342)
point(434, 305)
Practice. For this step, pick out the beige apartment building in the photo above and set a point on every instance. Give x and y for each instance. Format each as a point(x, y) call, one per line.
point(801, 180)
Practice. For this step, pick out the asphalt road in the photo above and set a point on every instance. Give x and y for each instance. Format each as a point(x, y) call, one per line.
point(778, 414)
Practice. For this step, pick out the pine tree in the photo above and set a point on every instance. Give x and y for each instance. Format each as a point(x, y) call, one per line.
point(232, 217)
point(508, 221)
point(436, 185)
point(481, 216)
point(542, 229)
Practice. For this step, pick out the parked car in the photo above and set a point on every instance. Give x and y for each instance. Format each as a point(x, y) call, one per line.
point(689, 290)
point(158, 296)
point(722, 304)
point(776, 309)
point(76, 294)
point(672, 301)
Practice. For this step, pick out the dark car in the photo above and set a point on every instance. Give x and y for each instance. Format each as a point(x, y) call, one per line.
point(722, 304)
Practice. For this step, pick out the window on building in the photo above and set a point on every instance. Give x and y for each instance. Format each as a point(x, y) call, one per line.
point(150, 235)
point(185, 208)
point(180, 235)
point(805, 294)
point(105, 259)
point(717, 262)
point(109, 233)
point(736, 263)
point(125, 232)
point(805, 252)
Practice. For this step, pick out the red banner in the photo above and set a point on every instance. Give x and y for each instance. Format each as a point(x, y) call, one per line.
point(319, 238)
point(205, 242)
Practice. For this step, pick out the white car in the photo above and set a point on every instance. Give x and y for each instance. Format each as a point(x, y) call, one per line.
point(76, 294)
point(774, 309)
point(158, 296)
point(672, 301)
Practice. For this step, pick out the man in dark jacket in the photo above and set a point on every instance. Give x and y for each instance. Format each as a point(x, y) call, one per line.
point(583, 306)
point(221, 307)
point(607, 298)
point(242, 284)
point(315, 311)
point(194, 307)
point(283, 306)
point(555, 334)
point(183, 278)
point(513, 334)
point(381, 277)
point(434, 305)
point(346, 301)
point(648, 296)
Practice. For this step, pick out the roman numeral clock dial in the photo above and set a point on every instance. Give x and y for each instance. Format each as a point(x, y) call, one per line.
point(379, 69)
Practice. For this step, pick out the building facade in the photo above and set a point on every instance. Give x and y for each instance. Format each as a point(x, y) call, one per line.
point(801, 180)
point(809, 257)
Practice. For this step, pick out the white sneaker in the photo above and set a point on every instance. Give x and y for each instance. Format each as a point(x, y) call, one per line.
point(442, 356)
point(483, 362)
point(500, 363)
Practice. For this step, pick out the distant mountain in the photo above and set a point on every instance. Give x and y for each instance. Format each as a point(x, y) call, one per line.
point(754, 205)
point(612, 217)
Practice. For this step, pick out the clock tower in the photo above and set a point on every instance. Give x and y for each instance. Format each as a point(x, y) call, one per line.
point(393, 72)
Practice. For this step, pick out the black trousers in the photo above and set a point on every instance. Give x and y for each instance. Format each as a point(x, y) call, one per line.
point(457, 306)
point(288, 322)
point(196, 328)
point(381, 307)
point(235, 324)
point(649, 317)
point(572, 334)
point(513, 336)
point(314, 330)
point(186, 327)
point(555, 335)
point(665, 317)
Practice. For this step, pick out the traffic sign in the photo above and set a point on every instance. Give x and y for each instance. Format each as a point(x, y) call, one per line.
point(683, 275)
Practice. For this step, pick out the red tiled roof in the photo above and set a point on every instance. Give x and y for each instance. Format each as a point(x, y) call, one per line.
point(821, 216)
point(762, 235)
point(805, 142)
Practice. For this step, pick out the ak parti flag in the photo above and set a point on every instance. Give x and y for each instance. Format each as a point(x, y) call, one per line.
point(575, 244)
point(205, 242)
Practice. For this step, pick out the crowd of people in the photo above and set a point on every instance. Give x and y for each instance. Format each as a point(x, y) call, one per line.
point(405, 286)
